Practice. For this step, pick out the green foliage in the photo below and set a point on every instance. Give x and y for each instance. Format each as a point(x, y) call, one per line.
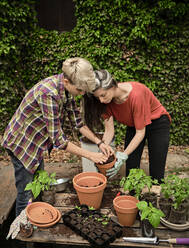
point(42, 181)
point(150, 213)
point(175, 188)
point(137, 180)
point(139, 40)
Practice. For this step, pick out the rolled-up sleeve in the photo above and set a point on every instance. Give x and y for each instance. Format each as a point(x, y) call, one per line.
point(51, 115)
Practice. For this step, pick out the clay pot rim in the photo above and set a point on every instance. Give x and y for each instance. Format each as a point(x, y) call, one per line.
point(176, 227)
point(106, 165)
point(125, 197)
point(90, 189)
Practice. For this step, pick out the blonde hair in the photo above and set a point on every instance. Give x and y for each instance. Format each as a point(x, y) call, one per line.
point(80, 73)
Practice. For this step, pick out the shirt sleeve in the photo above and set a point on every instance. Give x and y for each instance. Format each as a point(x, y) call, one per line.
point(51, 115)
point(74, 114)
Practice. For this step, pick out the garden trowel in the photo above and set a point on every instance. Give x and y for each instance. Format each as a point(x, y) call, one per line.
point(156, 240)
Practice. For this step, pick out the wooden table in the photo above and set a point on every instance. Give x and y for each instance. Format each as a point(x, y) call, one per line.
point(60, 234)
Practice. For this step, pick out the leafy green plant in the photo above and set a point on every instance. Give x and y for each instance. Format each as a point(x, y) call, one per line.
point(150, 213)
point(136, 181)
point(42, 181)
point(91, 208)
point(166, 187)
point(78, 207)
point(175, 188)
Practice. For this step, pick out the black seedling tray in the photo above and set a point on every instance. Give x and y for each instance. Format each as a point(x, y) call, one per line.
point(92, 225)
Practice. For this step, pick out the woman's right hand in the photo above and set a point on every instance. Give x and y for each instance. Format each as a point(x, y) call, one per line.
point(97, 157)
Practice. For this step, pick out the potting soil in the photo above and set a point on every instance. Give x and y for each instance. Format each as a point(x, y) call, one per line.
point(92, 225)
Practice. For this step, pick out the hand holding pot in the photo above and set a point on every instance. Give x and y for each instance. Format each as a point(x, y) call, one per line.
point(121, 158)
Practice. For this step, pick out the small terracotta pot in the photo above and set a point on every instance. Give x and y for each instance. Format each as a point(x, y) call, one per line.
point(90, 188)
point(104, 167)
point(126, 209)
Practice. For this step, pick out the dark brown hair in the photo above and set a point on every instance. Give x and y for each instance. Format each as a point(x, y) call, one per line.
point(93, 110)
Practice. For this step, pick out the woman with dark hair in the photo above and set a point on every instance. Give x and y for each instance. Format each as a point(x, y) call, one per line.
point(134, 105)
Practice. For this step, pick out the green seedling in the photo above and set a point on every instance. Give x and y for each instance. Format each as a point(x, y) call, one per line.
point(42, 181)
point(137, 180)
point(150, 213)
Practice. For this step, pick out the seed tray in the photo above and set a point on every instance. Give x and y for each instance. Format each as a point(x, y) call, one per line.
point(92, 225)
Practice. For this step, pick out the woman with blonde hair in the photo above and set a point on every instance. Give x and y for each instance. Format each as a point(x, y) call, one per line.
point(38, 124)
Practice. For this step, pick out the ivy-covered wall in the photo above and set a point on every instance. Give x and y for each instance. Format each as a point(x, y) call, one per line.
point(134, 39)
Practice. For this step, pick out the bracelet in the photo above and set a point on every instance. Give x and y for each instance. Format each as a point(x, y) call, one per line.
point(100, 143)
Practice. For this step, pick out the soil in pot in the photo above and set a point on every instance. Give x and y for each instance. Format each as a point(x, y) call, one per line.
point(92, 226)
point(48, 196)
point(106, 165)
point(178, 216)
point(186, 206)
point(26, 230)
point(147, 229)
point(165, 206)
point(150, 197)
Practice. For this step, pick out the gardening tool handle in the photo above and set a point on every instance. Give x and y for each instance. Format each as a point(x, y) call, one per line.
point(180, 241)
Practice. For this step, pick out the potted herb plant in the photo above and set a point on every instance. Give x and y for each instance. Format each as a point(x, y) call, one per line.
point(180, 197)
point(165, 200)
point(136, 181)
point(150, 218)
point(42, 184)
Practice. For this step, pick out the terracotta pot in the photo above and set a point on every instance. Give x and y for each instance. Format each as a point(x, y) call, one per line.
point(126, 209)
point(90, 188)
point(104, 167)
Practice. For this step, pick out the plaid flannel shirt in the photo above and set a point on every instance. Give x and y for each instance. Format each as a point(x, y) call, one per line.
point(38, 122)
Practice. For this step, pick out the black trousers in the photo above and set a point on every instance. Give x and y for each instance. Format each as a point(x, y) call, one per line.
point(157, 136)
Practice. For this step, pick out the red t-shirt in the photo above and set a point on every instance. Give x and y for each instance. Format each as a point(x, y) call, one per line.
point(139, 109)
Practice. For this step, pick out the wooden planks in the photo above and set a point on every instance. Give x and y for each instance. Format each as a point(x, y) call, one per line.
point(60, 234)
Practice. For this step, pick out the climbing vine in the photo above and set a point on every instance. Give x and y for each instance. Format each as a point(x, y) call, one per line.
point(138, 40)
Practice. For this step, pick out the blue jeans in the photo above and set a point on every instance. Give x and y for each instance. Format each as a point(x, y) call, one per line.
point(157, 135)
point(22, 178)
